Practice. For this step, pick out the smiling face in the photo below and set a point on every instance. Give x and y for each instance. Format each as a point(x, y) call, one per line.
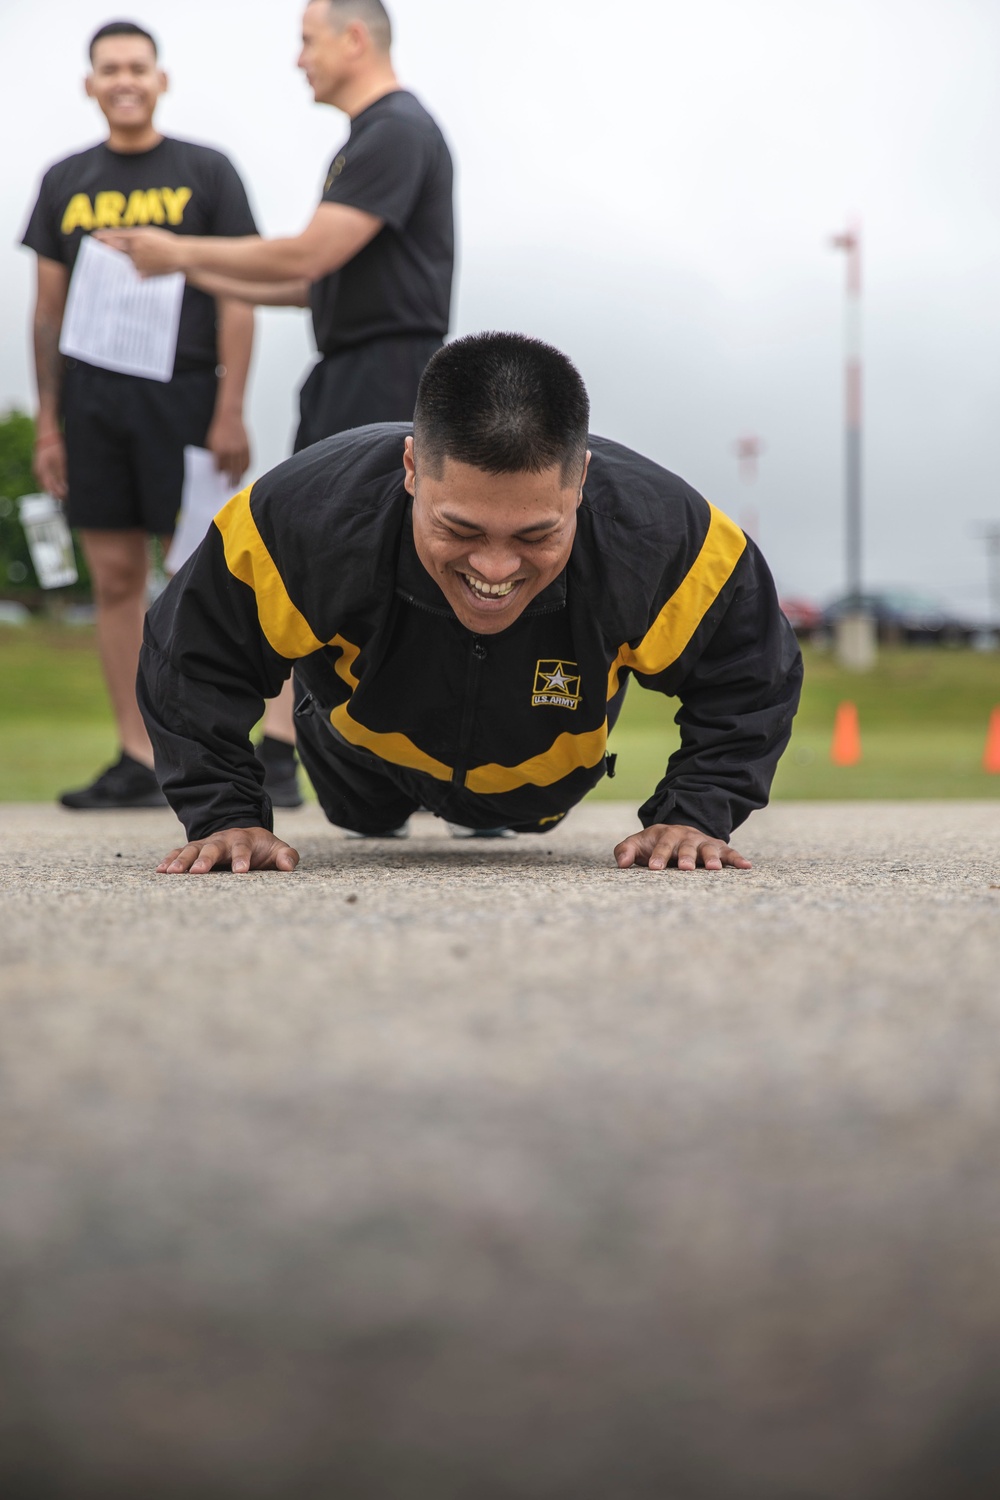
point(126, 82)
point(491, 542)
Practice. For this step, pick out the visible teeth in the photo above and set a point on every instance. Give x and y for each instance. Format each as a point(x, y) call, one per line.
point(495, 589)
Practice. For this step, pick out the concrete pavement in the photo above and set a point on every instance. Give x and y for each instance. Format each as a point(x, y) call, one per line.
point(489, 1172)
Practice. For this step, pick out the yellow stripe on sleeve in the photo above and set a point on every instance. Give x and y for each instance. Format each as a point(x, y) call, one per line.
point(286, 628)
point(684, 611)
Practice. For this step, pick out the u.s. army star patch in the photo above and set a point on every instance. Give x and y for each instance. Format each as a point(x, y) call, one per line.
point(557, 685)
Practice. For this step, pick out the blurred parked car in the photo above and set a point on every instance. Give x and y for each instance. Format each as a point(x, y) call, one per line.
point(803, 615)
point(902, 615)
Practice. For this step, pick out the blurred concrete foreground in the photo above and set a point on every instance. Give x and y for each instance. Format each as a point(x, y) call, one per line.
point(477, 1172)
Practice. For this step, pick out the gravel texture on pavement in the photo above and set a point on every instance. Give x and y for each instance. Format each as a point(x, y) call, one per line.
point(485, 1171)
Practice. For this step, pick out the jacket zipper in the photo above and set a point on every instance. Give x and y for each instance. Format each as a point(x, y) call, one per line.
point(476, 658)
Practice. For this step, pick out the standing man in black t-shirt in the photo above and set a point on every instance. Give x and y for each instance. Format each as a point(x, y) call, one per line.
point(111, 446)
point(375, 263)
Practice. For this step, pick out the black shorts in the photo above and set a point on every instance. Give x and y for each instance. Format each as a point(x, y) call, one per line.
point(374, 382)
point(125, 441)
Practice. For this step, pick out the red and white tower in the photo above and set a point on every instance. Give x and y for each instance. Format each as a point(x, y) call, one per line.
point(850, 243)
point(856, 629)
point(748, 450)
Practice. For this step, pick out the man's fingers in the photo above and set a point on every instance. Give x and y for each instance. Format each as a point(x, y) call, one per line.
point(664, 850)
point(211, 855)
point(233, 465)
point(241, 857)
point(183, 860)
point(238, 850)
point(118, 239)
point(50, 469)
point(663, 845)
point(625, 854)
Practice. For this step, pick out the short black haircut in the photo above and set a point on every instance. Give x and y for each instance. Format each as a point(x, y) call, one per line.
point(503, 403)
point(372, 12)
point(121, 28)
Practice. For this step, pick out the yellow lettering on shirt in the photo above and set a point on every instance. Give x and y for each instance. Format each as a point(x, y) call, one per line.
point(79, 214)
point(154, 206)
point(137, 211)
point(111, 211)
point(108, 210)
point(176, 203)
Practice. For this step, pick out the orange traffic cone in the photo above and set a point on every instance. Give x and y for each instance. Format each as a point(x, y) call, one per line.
point(991, 756)
point(846, 747)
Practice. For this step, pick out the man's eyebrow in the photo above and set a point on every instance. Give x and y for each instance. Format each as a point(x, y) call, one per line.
point(453, 520)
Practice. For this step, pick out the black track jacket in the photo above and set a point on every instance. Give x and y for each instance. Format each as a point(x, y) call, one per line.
point(314, 566)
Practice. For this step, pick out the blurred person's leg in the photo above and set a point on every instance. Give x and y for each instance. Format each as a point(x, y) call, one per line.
point(375, 382)
point(103, 506)
point(118, 563)
point(125, 441)
point(276, 751)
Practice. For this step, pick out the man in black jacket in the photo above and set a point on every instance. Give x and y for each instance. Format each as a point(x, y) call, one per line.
point(463, 608)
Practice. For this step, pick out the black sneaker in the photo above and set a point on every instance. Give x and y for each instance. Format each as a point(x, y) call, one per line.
point(128, 783)
point(281, 780)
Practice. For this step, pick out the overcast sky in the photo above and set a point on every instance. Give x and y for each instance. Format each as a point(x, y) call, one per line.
point(654, 194)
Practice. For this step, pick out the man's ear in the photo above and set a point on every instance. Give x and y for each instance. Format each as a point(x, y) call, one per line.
point(409, 468)
point(164, 81)
point(88, 85)
point(583, 481)
point(358, 38)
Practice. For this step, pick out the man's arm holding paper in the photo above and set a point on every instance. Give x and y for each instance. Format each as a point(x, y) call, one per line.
point(334, 235)
point(50, 304)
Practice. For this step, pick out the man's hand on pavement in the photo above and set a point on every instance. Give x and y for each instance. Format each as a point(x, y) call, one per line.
point(236, 849)
point(227, 440)
point(666, 844)
point(153, 251)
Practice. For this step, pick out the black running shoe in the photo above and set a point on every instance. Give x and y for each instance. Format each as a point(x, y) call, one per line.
point(281, 780)
point(128, 783)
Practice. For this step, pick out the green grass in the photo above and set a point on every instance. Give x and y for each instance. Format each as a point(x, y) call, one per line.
point(56, 729)
point(923, 713)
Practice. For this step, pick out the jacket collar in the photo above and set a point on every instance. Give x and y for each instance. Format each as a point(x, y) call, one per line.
point(416, 586)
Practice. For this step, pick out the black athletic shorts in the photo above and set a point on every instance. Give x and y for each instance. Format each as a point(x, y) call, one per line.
point(125, 441)
point(374, 382)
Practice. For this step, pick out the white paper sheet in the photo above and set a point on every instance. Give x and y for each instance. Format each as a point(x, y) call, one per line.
point(206, 491)
point(117, 320)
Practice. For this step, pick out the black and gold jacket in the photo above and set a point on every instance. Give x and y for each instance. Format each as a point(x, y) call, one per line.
point(314, 566)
